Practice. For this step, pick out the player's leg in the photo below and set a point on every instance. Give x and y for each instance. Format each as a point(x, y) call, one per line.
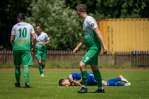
point(87, 58)
point(17, 62)
point(44, 57)
point(98, 78)
point(115, 79)
point(40, 67)
point(94, 66)
point(17, 75)
point(42, 64)
point(26, 76)
point(39, 59)
point(26, 62)
point(123, 79)
point(84, 78)
point(115, 82)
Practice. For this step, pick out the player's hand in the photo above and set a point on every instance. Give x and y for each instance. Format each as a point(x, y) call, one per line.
point(43, 44)
point(75, 50)
point(77, 83)
point(104, 50)
point(32, 51)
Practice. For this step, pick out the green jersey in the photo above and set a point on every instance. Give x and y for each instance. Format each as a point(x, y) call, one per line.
point(22, 32)
point(91, 39)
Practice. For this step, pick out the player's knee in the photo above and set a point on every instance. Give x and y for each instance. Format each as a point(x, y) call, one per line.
point(82, 65)
point(95, 67)
point(39, 62)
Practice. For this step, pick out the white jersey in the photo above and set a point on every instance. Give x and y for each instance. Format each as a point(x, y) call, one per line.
point(90, 38)
point(40, 38)
point(22, 32)
point(89, 24)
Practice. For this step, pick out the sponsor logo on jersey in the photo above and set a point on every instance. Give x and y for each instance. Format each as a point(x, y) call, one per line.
point(86, 59)
point(92, 24)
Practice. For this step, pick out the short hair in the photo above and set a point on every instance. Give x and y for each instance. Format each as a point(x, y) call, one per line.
point(21, 16)
point(39, 25)
point(60, 82)
point(81, 7)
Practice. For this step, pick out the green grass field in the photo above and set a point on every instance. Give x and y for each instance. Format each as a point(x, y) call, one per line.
point(47, 87)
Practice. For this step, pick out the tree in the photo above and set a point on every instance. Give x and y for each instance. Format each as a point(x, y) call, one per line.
point(59, 19)
point(122, 8)
point(101, 9)
point(8, 12)
point(60, 22)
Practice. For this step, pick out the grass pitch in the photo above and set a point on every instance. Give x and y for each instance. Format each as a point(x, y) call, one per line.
point(47, 87)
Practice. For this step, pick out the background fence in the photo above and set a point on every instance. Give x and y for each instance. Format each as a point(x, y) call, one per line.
point(135, 58)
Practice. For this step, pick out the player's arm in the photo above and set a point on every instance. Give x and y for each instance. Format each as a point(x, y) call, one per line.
point(80, 81)
point(33, 34)
point(78, 46)
point(93, 24)
point(47, 40)
point(13, 33)
point(33, 42)
point(46, 43)
point(12, 39)
point(73, 81)
point(97, 31)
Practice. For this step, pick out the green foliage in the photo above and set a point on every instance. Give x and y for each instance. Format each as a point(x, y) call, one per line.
point(114, 8)
point(59, 19)
point(8, 13)
point(60, 22)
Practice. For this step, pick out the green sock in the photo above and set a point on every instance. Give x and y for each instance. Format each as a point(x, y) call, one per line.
point(26, 74)
point(84, 78)
point(17, 74)
point(40, 68)
point(98, 78)
point(43, 66)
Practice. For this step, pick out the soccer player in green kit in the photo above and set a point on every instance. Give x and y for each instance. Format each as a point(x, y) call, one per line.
point(21, 35)
point(94, 41)
point(42, 40)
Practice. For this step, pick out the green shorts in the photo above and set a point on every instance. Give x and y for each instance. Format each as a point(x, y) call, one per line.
point(41, 53)
point(91, 57)
point(22, 57)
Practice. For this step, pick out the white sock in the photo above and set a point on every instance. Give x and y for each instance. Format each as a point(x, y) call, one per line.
point(83, 86)
point(100, 88)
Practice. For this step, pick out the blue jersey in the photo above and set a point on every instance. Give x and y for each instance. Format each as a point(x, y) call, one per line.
point(90, 78)
point(76, 76)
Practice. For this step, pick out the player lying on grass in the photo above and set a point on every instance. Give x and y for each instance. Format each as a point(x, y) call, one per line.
point(75, 79)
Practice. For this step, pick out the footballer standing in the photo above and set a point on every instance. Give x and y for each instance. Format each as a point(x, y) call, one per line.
point(94, 42)
point(21, 35)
